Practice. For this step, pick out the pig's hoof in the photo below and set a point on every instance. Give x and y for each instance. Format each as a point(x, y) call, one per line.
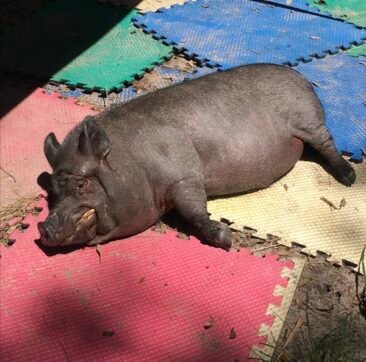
point(219, 235)
point(347, 174)
point(224, 239)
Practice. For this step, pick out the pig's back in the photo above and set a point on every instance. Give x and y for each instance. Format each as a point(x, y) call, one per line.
point(236, 120)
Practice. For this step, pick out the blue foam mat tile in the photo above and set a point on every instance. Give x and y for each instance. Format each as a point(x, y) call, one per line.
point(340, 82)
point(236, 32)
point(300, 5)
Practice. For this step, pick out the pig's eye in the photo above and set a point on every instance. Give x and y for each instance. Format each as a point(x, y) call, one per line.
point(84, 186)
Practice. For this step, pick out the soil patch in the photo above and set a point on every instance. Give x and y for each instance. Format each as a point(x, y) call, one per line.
point(326, 321)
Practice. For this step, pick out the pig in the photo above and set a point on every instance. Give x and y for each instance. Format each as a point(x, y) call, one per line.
point(116, 173)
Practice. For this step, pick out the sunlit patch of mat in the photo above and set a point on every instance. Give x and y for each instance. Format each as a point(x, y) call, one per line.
point(293, 4)
point(150, 297)
point(340, 82)
point(232, 33)
point(174, 71)
point(144, 5)
point(308, 207)
point(81, 43)
point(22, 133)
point(351, 11)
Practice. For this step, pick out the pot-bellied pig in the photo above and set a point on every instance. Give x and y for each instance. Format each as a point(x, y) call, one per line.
point(115, 174)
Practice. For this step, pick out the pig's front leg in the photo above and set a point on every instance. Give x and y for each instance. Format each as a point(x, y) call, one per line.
point(190, 200)
point(114, 234)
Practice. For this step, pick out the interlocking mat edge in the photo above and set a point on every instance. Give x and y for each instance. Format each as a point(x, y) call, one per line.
point(307, 207)
point(232, 28)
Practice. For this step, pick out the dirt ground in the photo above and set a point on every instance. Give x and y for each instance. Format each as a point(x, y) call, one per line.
point(326, 321)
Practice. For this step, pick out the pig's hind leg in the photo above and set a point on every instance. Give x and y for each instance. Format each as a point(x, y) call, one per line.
point(317, 135)
point(190, 200)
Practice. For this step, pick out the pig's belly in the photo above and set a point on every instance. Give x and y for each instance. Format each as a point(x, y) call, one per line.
point(238, 168)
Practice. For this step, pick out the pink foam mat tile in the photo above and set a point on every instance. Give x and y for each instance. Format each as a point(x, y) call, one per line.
point(146, 298)
point(22, 132)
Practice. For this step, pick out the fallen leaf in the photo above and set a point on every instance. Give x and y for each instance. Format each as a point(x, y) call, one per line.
point(182, 236)
point(209, 323)
point(232, 334)
point(342, 203)
point(329, 203)
point(160, 227)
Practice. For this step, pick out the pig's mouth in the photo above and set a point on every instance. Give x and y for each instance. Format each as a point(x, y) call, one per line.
point(79, 232)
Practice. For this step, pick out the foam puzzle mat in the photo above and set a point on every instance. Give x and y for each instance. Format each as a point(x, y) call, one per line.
point(144, 5)
point(22, 132)
point(151, 297)
point(62, 43)
point(353, 11)
point(238, 32)
point(162, 76)
point(294, 4)
point(339, 81)
point(297, 209)
point(359, 51)
point(350, 11)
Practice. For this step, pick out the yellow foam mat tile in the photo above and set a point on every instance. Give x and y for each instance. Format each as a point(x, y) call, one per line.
point(297, 209)
point(272, 333)
point(144, 5)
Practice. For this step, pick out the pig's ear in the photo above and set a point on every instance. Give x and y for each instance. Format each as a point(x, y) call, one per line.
point(51, 147)
point(93, 140)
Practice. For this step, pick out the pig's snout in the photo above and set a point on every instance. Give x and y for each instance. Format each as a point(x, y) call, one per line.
point(43, 231)
point(47, 231)
point(45, 234)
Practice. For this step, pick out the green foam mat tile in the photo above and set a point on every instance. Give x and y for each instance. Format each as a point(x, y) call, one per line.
point(359, 51)
point(352, 11)
point(81, 43)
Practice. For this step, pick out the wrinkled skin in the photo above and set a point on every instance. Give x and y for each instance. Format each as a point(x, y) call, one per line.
point(117, 173)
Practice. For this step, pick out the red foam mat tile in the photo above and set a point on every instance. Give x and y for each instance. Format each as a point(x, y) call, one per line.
point(22, 132)
point(147, 298)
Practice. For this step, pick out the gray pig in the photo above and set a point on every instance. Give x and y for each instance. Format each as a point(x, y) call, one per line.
point(118, 172)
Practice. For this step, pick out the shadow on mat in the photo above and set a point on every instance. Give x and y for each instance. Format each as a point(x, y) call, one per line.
point(74, 319)
point(58, 39)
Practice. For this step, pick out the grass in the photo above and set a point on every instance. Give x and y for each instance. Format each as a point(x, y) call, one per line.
point(333, 347)
point(361, 294)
